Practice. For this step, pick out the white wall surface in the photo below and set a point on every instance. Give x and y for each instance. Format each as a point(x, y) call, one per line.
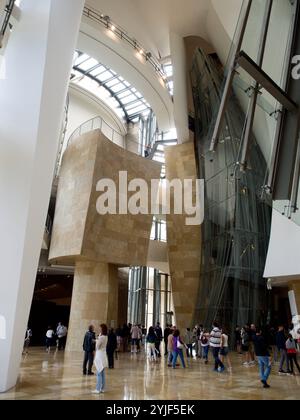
point(180, 91)
point(39, 57)
point(283, 256)
point(83, 106)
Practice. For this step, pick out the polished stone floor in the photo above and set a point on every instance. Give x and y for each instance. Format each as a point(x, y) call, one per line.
point(58, 377)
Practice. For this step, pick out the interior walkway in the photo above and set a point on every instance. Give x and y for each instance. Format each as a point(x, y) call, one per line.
point(55, 377)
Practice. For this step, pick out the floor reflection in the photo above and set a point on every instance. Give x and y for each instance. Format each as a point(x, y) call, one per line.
point(58, 376)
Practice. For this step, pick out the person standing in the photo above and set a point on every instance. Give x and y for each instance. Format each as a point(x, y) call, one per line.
point(196, 332)
point(200, 332)
point(178, 346)
point(61, 333)
point(112, 346)
point(125, 337)
point(205, 346)
point(272, 342)
point(224, 352)
point(215, 344)
point(167, 332)
point(151, 341)
point(170, 347)
point(263, 355)
point(89, 350)
point(252, 335)
point(245, 345)
point(27, 340)
point(159, 338)
point(238, 340)
point(119, 338)
point(49, 339)
point(291, 348)
point(135, 336)
point(189, 342)
point(101, 362)
point(280, 343)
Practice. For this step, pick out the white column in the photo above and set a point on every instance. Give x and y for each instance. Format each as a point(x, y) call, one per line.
point(38, 62)
point(180, 87)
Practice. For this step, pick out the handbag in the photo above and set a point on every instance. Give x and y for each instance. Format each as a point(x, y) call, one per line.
point(180, 346)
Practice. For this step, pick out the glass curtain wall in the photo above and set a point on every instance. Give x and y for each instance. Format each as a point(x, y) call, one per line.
point(237, 208)
point(149, 297)
point(237, 222)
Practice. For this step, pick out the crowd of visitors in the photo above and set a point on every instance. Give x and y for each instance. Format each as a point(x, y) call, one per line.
point(264, 348)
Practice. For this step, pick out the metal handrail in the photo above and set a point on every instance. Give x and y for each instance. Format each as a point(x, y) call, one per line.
point(8, 12)
point(123, 35)
point(98, 123)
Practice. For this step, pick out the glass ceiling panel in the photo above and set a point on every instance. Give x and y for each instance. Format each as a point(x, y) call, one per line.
point(81, 59)
point(98, 70)
point(117, 88)
point(88, 64)
point(123, 98)
point(105, 76)
point(136, 110)
point(129, 99)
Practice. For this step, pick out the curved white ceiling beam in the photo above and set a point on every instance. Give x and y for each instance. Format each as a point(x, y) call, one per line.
point(107, 48)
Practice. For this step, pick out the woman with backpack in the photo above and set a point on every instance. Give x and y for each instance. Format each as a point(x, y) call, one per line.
point(204, 342)
point(178, 346)
point(291, 348)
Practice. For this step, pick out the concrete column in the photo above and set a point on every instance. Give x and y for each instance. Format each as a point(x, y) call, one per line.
point(94, 300)
point(38, 62)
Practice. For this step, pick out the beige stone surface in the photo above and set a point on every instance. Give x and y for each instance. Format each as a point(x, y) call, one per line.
point(94, 300)
point(184, 242)
point(78, 230)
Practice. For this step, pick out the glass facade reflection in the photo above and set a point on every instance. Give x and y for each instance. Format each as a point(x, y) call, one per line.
point(237, 221)
point(150, 297)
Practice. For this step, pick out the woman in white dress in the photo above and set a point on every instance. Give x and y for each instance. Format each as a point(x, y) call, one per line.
point(100, 361)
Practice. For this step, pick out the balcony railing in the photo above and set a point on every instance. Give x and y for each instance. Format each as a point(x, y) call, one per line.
point(104, 127)
point(123, 35)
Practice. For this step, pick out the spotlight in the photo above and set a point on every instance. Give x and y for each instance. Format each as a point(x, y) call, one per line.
point(141, 51)
point(113, 28)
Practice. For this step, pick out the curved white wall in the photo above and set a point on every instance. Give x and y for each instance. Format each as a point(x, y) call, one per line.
point(84, 106)
point(101, 44)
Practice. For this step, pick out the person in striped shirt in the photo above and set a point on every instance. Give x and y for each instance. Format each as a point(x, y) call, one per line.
point(215, 344)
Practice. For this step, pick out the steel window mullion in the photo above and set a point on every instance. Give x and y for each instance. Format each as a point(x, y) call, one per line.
point(253, 100)
point(276, 145)
point(230, 77)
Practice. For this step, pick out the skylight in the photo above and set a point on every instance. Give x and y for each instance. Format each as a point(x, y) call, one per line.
point(103, 82)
